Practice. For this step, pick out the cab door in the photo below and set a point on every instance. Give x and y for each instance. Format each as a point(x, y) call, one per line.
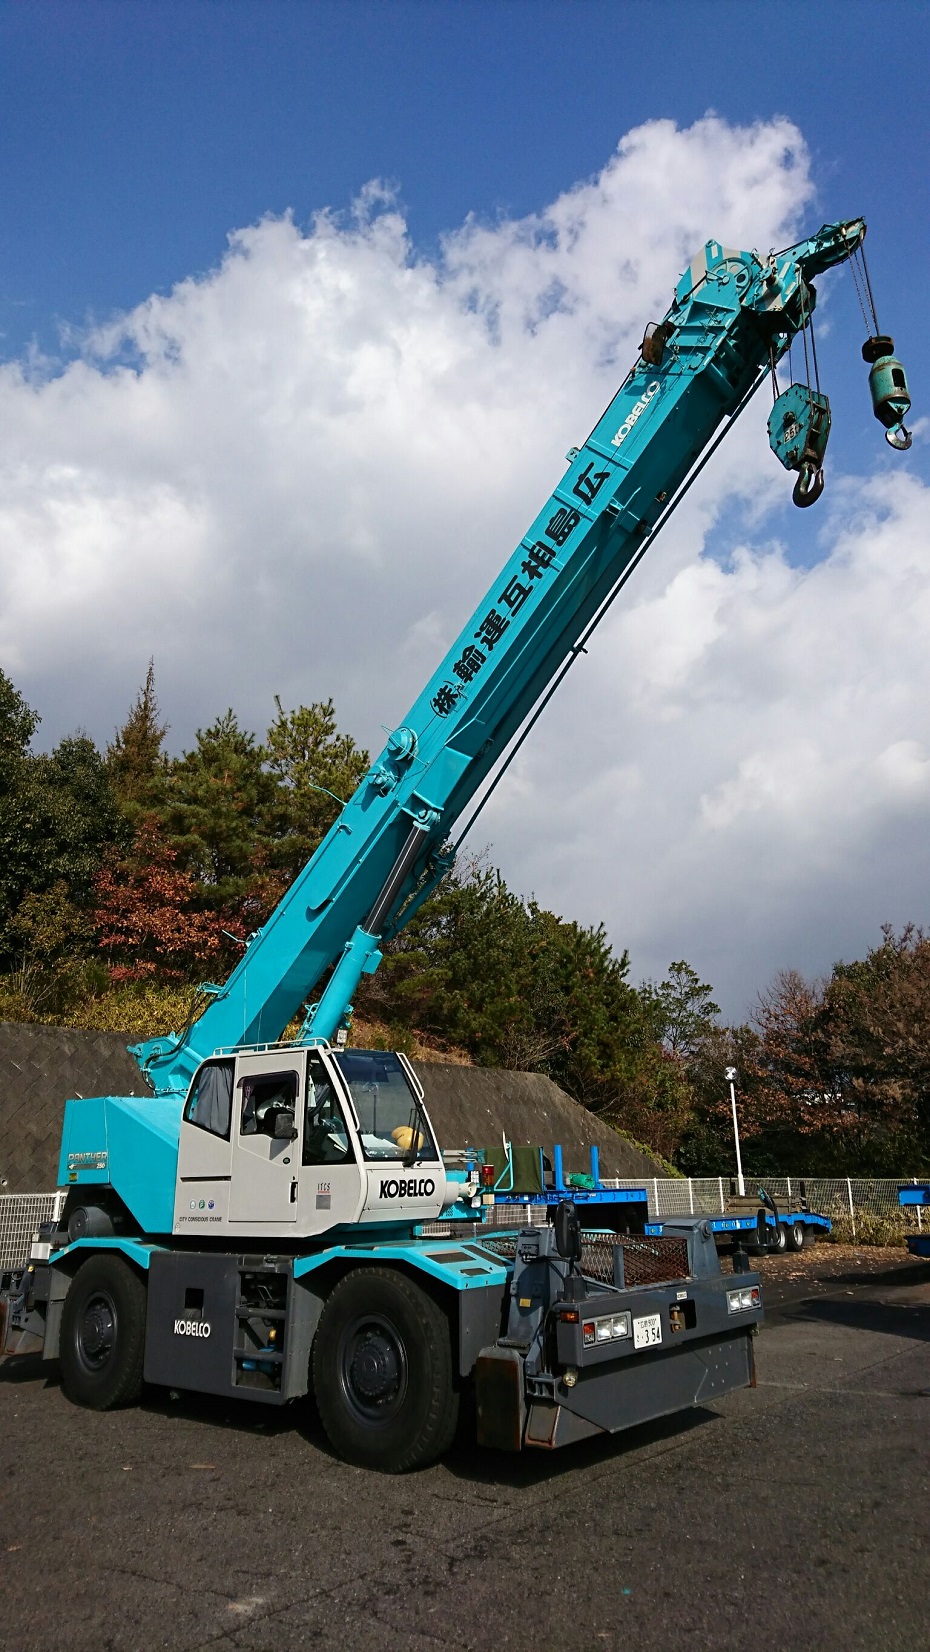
point(267, 1117)
point(204, 1149)
point(332, 1181)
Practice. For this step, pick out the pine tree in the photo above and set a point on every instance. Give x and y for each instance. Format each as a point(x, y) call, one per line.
point(134, 756)
point(218, 812)
point(316, 770)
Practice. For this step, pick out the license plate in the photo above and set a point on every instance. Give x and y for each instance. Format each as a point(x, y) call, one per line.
point(647, 1331)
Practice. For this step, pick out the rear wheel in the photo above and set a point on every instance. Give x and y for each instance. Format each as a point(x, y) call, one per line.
point(103, 1334)
point(781, 1237)
point(382, 1372)
point(797, 1236)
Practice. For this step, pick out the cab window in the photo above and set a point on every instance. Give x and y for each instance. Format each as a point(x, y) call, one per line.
point(326, 1139)
point(261, 1097)
point(392, 1123)
point(209, 1105)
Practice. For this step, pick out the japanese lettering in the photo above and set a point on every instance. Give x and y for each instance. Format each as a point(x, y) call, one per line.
point(491, 629)
point(514, 594)
point(589, 483)
point(443, 702)
point(538, 558)
point(471, 662)
point(562, 524)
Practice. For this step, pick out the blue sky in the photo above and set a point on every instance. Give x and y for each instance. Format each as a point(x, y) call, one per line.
point(317, 410)
point(134, 136)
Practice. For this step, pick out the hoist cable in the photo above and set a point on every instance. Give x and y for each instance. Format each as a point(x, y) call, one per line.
point(859, 294)
point(814, 354)
point(868, 287)
point(579, 647)
point(807, 365)
point(863, 286)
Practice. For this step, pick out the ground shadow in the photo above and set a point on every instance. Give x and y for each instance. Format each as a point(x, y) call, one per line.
point(26, 1368)
point(464, 1460)
point(909, 1271)
point(899, 1319)
point(525, 1469)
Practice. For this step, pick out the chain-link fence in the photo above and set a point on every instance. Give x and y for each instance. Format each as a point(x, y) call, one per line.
point(20, 1217)
point(862, 1210)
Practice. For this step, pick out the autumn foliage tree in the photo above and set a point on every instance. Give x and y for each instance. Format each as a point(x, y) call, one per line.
point(146, 915)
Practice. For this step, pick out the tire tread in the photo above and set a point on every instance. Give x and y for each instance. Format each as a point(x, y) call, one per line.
point(121, 1384)
point(393, 1453)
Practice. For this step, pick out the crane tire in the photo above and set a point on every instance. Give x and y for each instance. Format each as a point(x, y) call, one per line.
point(382, 1372)
point(797, 1236)
point(102, 1343)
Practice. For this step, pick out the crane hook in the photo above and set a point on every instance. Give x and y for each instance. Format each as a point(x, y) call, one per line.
point(809, 485)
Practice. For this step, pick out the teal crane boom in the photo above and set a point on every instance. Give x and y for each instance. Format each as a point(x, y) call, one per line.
point(733, 316)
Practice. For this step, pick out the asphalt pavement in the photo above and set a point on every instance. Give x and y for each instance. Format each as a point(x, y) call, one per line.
point(792, 1515)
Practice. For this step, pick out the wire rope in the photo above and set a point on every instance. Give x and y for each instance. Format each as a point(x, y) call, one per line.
point(579, 647)
point(868, 287)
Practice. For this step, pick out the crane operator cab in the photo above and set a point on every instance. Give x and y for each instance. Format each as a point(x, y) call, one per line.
point(289, 1141)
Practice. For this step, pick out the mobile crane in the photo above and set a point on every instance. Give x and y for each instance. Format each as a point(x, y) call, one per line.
point(258, 1226)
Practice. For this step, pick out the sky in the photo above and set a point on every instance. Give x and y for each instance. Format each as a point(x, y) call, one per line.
point(282, 385)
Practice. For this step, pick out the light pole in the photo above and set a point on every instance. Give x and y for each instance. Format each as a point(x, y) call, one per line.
point(731, 1080)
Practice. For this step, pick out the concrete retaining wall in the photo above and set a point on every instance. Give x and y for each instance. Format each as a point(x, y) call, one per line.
point(40, 1067)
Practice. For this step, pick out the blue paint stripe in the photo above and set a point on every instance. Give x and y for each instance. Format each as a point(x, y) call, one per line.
point(449, 1273)
point(137, 1250)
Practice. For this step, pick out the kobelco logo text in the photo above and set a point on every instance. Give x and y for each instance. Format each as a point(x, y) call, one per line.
point(634, 413)
point(192, 1327)
point(408, 1188)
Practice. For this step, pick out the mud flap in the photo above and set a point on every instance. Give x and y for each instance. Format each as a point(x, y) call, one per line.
point(501, 1408)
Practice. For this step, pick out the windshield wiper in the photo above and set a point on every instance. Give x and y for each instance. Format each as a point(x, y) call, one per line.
point(417, 1136)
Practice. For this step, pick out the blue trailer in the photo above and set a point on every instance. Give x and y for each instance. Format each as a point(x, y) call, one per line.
point(784, 1230)
point(762, 1228)
point(917, 1194)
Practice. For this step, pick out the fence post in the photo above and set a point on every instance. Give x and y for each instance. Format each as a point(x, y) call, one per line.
point(691, 1196)
point(852, 1213)
point(720, 1185)
point(788, 1180)
point(655, 1194)
point(920, 1226)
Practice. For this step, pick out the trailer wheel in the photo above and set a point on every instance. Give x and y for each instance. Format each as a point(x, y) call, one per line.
point(103, 1334)
point(781, 1236)
point(382, 1372)
point(797, 1236)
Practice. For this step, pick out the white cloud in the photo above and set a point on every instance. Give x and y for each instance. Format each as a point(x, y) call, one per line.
point(745, 778)
point(298, 474)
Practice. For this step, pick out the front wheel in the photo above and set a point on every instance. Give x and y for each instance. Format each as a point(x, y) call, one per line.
point(103, 1334)
point(382, 1372)
point(797, 1236)
point(781, 1237)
